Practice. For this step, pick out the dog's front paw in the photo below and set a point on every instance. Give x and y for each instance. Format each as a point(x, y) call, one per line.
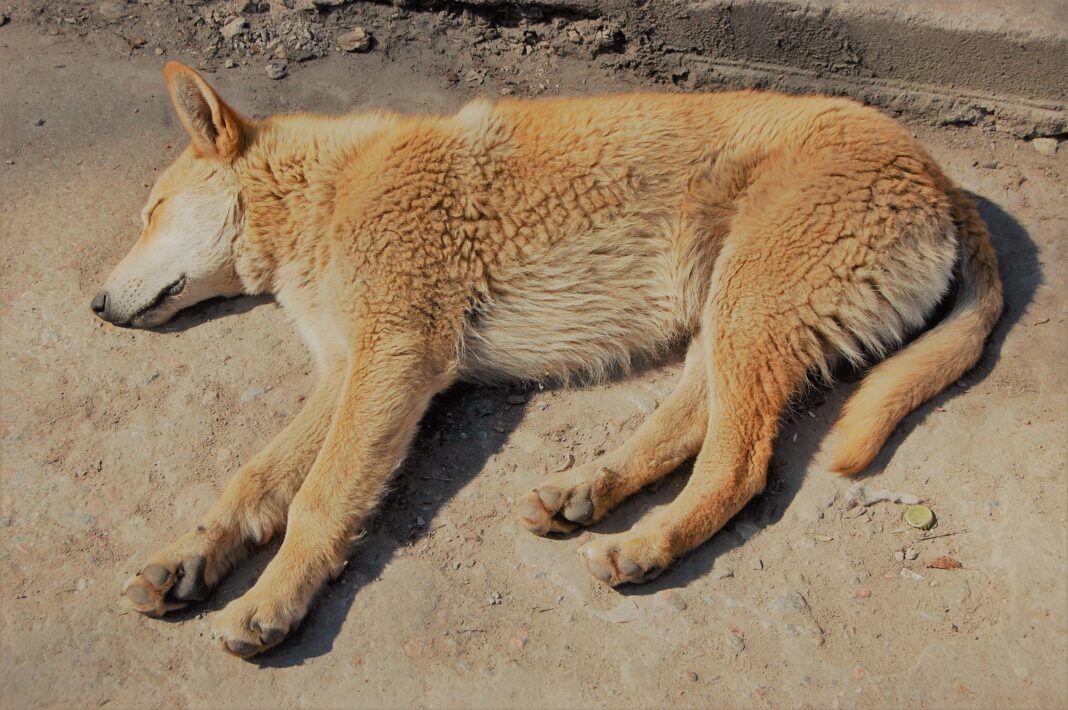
point(623, 558)
point(168, 583)
point(253, 624)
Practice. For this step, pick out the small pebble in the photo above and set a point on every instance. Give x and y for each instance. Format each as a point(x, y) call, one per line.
point(234, 27)
point(519, 643)
point(39, 122)
point(911, 554)
point(723, 573)
point(691, 676)
point(672, 599)
point(276, 70)
point(356, 40)
point(735, 643)
point(1045, 146)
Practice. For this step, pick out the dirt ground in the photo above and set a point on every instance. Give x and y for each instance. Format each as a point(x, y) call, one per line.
point(114, 441)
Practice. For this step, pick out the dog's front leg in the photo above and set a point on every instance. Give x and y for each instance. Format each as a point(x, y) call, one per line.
point(385, 393)
point(250, 511)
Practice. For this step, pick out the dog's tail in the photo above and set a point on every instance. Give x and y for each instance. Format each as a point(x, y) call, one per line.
point(932, 362)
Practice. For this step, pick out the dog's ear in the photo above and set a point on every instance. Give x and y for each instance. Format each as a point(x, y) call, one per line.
point(216, 129)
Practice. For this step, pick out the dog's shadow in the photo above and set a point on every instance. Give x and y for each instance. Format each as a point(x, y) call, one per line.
point(212, 309)
point(440, 444)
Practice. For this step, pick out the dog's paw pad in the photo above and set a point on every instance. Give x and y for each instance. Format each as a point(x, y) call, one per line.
point(609, 564)
point(159, 588)
point(537, 512)
point(579, 508)
point(241, 649)
point(550, 509)
point(245, 631)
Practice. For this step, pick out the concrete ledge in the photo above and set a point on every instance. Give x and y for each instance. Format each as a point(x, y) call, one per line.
point(953, 61)
point(973, 49)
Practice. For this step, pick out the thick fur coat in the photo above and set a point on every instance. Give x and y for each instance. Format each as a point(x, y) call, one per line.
point(551, 239)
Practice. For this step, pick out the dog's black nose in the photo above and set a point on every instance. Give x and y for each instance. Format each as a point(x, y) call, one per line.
point(100, 303)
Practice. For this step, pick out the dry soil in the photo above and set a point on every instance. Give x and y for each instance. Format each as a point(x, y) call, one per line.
point(114, 441)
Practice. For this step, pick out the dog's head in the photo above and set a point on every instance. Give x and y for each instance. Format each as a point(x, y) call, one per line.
point(193, 216)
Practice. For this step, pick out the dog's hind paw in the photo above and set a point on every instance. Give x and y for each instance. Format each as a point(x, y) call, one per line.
point(615, 560)
point(553, 508)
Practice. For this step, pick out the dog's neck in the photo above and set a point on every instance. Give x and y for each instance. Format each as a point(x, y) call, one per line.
point(289, 175)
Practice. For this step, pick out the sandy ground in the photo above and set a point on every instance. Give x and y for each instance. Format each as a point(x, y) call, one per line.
point(115, 440)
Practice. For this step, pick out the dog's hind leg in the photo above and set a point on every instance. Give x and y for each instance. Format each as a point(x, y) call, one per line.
point(753, 370)
point(585, 494)
point(759, 349)
point(250, 511)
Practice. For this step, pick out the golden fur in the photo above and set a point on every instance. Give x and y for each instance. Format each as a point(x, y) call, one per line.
point(551, 239)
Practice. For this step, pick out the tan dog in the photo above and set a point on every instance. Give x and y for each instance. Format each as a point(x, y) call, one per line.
point(550, 239)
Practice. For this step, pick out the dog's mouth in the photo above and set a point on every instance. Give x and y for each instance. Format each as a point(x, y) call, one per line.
point(165, 296)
